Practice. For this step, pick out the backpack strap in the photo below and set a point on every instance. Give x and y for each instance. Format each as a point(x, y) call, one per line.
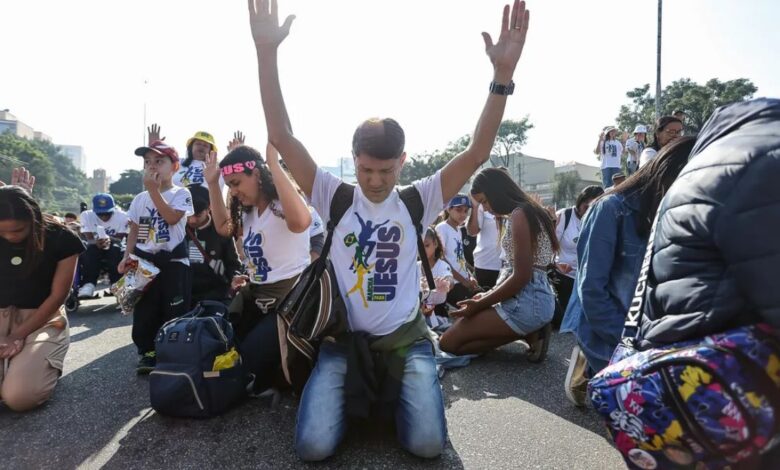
point(567, 217)
point(341, 202)
point(636, 309)
point(414, 204)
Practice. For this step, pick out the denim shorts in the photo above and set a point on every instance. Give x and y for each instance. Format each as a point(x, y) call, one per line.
point(531, 308)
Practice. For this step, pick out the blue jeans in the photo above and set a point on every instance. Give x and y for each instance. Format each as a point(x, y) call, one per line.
point(606, 176)
point(419, 416)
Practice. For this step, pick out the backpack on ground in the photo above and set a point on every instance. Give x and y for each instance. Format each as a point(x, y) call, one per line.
point(712, 402)
point(199, 372)
point(314, 309)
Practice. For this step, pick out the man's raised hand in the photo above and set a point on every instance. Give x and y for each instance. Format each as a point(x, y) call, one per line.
point(505, 53)
point(264, 22)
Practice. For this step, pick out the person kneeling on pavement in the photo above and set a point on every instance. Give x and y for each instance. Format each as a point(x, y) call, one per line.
point(213, 258)
point(39, 260)
point(104, 227)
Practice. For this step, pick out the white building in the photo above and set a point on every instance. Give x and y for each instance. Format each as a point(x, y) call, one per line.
point(76, 155)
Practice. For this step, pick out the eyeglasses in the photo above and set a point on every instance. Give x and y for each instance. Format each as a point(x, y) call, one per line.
point(674, 132)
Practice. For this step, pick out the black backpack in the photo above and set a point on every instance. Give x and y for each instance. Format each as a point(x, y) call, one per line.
point(184, 382)
point(314, 309)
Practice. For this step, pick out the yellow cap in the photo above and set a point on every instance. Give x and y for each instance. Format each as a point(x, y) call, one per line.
point(205, 137)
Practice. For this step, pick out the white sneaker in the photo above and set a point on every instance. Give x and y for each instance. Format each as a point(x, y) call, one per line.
point(87, 291)
point(576, 384)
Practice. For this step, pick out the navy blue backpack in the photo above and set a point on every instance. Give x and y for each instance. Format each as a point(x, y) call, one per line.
point(199, 373)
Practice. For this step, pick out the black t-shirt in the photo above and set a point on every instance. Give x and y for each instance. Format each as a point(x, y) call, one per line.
point(30, 291)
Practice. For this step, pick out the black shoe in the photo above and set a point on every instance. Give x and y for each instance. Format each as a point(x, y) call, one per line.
point(147, 363)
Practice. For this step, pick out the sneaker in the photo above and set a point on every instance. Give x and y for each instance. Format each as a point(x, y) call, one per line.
point(87, 291)
point(576, 383)
point(147, 363)
point(539, 342)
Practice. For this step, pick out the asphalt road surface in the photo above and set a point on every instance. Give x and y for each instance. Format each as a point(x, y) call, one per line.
point(502, 412)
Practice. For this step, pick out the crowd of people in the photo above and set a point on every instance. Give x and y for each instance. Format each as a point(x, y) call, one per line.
point(532, 270)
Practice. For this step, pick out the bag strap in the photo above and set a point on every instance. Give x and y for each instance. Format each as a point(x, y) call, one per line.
point(341, 202)
point(413, 201)
point(567, 216)
point(636, 310)
point(191, 235)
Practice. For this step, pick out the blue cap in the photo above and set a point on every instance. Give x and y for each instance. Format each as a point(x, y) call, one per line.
point(102, 203)
point(459, 200)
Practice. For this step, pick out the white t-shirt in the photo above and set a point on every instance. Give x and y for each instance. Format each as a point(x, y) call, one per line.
point(647, 155)
point(610, 154)
point(568, 239)
point(316, 227)
point(154, 233)
point(487, 254)
point(440, 270)
point(452, 240)
point(374, 253)
point(272, 252)
point(115, 226)
point(636, 147)
point(193, 174)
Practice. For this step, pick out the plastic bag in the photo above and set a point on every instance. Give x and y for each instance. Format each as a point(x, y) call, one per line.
point(129, 289)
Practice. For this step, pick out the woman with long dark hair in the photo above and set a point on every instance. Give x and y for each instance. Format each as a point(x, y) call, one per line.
point(521, 305)
point(38, 258)
point(610, 250)
point(273, 221)
point(667, 128)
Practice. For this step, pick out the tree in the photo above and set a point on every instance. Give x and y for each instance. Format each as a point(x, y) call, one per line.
point(70, 184)
point(512, 135)
point(427, 164)
point(16, 151)
point(130, 182)
point(565, 188)
point(697, 101)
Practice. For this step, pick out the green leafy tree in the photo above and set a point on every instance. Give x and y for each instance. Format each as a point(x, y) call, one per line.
point(512, 135)
point(697, 101)
point(70, 184)
point(16, 151)
point(129, 182)
point(420, 166)
point(123, 200)
point(565, 188)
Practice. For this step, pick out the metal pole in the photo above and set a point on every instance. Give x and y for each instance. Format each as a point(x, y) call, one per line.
point(658, 65)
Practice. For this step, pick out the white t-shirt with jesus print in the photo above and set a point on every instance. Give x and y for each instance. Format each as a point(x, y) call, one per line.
point(453, 248)
point(154, 233)
point(374, 253)
point(193, 174)
point(272, 252)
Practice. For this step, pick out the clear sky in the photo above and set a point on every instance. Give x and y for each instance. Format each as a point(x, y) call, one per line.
point(77, 70)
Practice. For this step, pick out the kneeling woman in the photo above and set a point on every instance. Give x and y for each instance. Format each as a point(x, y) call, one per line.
point(38, 258)
point(273, 219)
point(522, 304)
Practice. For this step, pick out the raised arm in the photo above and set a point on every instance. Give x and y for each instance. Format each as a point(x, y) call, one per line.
point(268, 35)
point(504, 56)
point(296, 212)
point(472, 225)
point(219, 211)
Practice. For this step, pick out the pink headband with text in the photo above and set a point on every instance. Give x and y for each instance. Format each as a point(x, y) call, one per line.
point(239, 167)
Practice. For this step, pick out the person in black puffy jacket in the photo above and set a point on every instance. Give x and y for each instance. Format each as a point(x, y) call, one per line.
point(717, 245)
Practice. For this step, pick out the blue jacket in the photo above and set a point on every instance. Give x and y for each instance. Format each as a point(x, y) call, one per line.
point(716, 262)
point(609, 256)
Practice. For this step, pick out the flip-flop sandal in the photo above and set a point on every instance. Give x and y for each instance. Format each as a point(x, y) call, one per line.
point(538, 347)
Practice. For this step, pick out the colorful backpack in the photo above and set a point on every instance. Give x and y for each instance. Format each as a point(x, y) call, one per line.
point(707, 403)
